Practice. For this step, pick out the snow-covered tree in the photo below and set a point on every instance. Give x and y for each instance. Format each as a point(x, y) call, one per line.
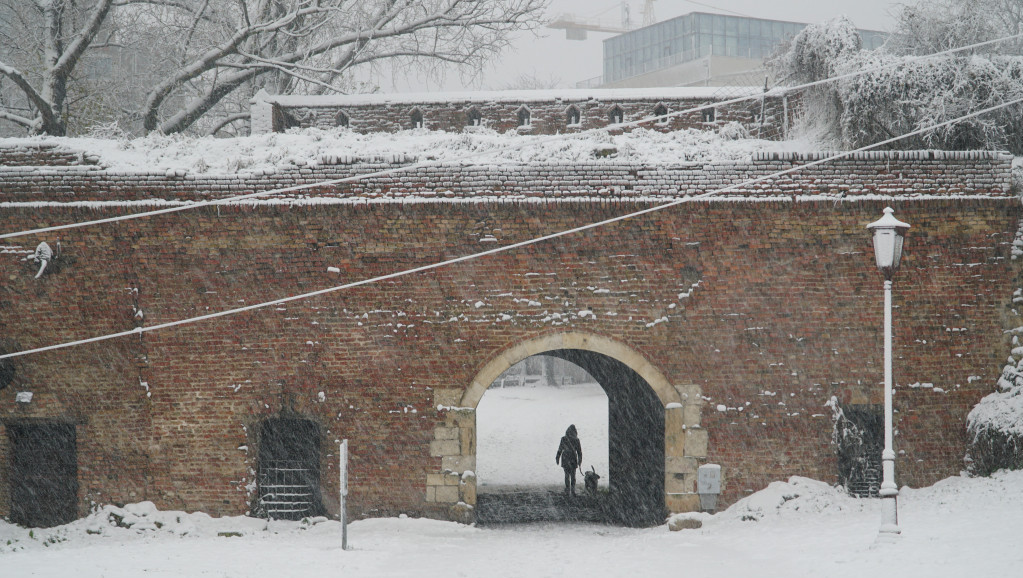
point(207, 57)
point(897, 92)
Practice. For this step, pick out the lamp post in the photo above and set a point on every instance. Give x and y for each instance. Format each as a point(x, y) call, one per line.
point(889, 233)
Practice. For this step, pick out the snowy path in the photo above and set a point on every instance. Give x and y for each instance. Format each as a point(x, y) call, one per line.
point(518, 430)
point(956, 528)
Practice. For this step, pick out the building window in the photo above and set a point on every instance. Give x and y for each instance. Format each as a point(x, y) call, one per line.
point(525, 118)
point(572, 116)
point(473, 117)
point(708, 114)
point(44, 473)
point(341, 119)
point(416, 118)
point(616, 115)
point(288, 477)
point(661, 111)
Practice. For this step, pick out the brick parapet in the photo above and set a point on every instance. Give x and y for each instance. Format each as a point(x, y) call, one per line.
point(904, 174)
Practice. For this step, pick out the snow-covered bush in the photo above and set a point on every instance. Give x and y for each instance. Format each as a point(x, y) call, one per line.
point(898, 92)
point(910, 93)
point(814, 54)
point(995, 425)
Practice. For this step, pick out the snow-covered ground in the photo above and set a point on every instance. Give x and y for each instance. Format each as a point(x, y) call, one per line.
point(959, 527)
point(269, 152)
point(518, 430)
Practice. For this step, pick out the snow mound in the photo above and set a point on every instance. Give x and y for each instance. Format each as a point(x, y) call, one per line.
point(145, 519)
point(797, 495)
point(313, 146)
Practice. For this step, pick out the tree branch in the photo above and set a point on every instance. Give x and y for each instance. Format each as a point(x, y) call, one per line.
point(228, 120)
point(81, 40)
point(28, 123)
point(31, 93)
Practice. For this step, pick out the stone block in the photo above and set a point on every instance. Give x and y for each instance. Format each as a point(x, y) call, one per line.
point(467, 437)
point(431, 493)
point(679, 483)
point(696, 443)
point(691, 414)
point(462, 418)
point(458, 463)
point(678, 465)
point(439, 448)
point(451, 479)
point(468, 490)
point(678, 503)
point(676, 524)
point(674, 432)
point(445, 433)
point(462, 512)
point(446, 494)
point(435, 479)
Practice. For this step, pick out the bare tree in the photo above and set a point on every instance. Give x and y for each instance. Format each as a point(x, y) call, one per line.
point(49, 37)
point(207, 57)
point(317, 44)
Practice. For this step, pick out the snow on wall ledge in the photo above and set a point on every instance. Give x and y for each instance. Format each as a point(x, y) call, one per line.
point(918, 174)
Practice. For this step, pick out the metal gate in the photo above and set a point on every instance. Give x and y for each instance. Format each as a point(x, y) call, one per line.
point(288, 478)
point(286, 490)
point(44, 474)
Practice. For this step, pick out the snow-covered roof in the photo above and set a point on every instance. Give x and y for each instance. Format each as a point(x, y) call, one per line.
point(548, 95)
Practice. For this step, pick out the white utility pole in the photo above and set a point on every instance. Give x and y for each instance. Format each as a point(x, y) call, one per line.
point(343, 469)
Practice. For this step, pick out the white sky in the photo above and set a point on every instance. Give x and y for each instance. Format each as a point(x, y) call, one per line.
point(553, 57)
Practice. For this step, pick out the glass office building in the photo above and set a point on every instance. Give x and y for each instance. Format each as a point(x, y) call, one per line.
point(698, 35)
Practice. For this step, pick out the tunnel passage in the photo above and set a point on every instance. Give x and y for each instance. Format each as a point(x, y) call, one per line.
point(635, 423)
point(635, 453)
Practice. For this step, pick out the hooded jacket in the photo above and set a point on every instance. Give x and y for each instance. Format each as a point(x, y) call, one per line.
point(570, 451)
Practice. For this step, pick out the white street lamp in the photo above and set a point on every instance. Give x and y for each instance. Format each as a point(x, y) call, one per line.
point(888, 237)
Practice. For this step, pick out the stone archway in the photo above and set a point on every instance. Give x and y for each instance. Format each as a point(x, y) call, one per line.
point(654, 426)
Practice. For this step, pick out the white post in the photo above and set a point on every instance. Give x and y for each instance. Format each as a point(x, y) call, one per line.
point(889, 490)
point(343, 469)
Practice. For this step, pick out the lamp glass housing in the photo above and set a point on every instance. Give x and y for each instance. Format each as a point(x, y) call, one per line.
point(888, 248)
point(889, 234)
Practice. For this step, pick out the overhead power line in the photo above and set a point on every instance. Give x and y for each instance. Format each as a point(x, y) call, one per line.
point(505, 248)
point(512, 147)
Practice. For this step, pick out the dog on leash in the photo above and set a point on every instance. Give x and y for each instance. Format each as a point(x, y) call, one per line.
point(590, 480)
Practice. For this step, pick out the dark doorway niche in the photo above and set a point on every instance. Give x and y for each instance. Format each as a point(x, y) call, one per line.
point(635, 495)
point(289, 469)
point(859, 435)
point(44, 473)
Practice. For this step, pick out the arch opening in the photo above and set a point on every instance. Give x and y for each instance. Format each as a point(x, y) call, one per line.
point(633, 490)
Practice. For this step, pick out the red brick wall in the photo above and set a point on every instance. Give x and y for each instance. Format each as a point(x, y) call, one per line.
point(787, 314)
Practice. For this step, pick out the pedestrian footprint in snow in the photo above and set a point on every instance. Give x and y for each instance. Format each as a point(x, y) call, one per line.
point(570, 456)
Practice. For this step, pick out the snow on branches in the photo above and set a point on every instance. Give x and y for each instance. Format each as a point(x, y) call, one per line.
point(897, 91)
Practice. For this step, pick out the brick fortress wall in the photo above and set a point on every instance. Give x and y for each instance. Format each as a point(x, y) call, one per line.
point(770, 304)
point(764, 116)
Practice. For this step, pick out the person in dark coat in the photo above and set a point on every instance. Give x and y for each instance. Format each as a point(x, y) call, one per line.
point(570, 455)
